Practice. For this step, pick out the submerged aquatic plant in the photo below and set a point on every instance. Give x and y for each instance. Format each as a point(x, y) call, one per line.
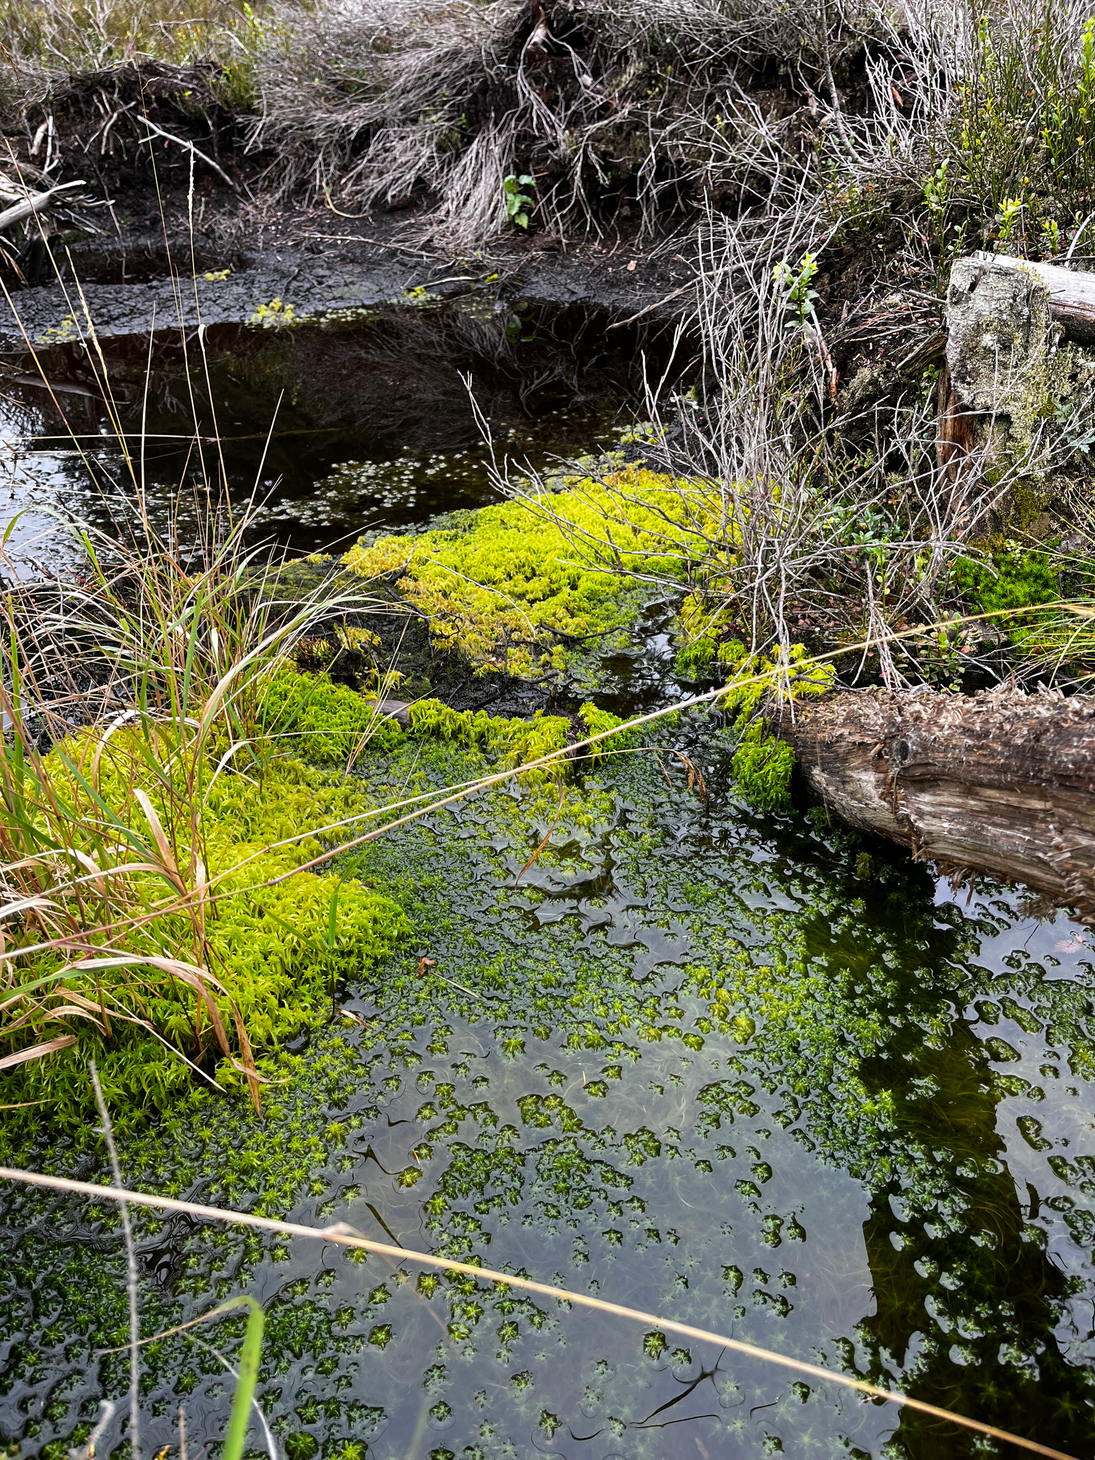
point(654, 1340)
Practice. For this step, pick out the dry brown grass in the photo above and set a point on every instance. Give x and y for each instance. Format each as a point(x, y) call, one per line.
point(636, 107)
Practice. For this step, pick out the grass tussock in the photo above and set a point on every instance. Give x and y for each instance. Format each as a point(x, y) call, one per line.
point(633, 113)
point(606, 107)
point(151, 915)
point(965, 126)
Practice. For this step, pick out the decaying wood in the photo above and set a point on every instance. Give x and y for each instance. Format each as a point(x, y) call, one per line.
point(1018, 337)
point(34, 203)
point(1071, 291)
point(1000, 782)
point(397, 710)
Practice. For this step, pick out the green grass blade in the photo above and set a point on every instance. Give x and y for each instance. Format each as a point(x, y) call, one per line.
point(332, 925)
point(23, 989)
point(245, 1385)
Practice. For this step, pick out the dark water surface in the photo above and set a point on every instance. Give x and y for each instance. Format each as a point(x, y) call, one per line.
point(333, 426)
point(751, 1074)
point(705, 1064)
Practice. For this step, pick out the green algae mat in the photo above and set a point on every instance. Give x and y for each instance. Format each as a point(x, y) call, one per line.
point(739, 1071)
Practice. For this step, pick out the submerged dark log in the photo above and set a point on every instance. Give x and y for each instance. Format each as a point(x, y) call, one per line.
point(1001, 782)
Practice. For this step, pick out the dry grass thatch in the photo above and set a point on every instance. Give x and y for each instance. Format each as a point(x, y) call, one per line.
point(631, 105)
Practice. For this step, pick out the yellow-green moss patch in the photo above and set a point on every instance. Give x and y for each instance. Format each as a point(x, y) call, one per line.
point(522, 585)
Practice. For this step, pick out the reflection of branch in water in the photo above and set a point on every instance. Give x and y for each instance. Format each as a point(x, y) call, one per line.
point(690, 1386)
point(995, 1290)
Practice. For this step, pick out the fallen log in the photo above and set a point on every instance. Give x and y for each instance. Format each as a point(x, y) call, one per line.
point(1000, 782)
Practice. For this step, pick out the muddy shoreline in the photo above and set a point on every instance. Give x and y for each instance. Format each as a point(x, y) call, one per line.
point(138, 283)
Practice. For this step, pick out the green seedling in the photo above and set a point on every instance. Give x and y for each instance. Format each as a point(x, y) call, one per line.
point(800, 297)
point(518, 203)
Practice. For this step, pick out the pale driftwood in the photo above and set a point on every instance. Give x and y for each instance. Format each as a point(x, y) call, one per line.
point(34, 203)
point(1071, 295)
point(1001, 782)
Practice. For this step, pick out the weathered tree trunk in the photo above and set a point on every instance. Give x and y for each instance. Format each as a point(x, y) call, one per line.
point(1071, 293)
point(1018, 382)
point(1001, 782)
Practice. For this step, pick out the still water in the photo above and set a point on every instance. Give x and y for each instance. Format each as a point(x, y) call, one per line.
point(752, 1074)
point(329, 428)
point(715, 1066)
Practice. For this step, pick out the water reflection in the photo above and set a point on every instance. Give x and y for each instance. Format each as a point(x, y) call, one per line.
point(690, 1061)
point(334, 428)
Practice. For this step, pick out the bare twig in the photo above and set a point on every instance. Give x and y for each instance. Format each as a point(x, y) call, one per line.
point(86, 1451)
point(191, 148)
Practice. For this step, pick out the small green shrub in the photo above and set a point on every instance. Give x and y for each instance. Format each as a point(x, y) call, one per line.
point(1020, 150)
point(518, 203)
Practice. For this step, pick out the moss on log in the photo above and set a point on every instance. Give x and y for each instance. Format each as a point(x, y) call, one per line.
point(1000, 782)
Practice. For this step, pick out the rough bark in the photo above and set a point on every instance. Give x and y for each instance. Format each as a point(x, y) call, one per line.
point(1001, 782)
point(996, 284)
point(1071, 295)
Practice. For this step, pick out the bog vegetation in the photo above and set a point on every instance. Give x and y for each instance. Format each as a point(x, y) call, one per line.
point(176, 772)
point(165, 802)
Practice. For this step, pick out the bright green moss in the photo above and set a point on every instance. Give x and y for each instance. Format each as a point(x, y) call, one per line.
point(325, 723)
point(709, 642)
point(762, 767)
point(762, 763)
point(277, 941)
point(523, 585)
point(510, 742)
point(1014, 577)
point(332, 725)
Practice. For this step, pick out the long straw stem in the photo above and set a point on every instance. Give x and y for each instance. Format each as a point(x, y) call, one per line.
point(345, 1236)
point(132, 1274)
